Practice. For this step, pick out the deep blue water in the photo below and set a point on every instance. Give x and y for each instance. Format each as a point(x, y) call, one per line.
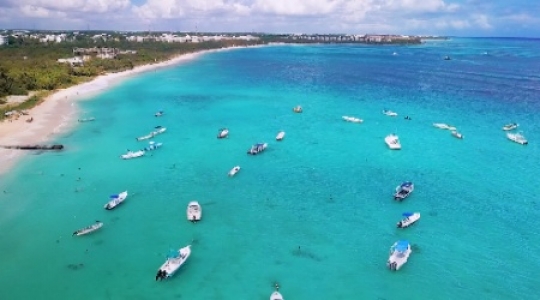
point(326, 188)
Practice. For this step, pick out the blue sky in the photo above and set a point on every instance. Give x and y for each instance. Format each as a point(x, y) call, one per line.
point(517, 18)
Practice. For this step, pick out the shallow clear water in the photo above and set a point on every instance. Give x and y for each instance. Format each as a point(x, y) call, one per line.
point(313, 212)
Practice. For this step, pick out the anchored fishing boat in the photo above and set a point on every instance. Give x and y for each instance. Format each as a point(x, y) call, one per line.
point(234, 170)
point(116, 200)
point(88, 229)
point(174, 261)
point(389, 113)
point(403, 191)
point(257, 148)
point(409, 219)
point(132, 154)
point(510, 126)
point(352, 119)
point(194, 211)
point(399, 254)
point(223, 133)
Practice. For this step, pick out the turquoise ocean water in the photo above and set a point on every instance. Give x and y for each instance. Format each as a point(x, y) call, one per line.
point(326, 188)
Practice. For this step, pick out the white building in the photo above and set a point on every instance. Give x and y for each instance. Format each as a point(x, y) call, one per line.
point(3, 40)
point(74, 61)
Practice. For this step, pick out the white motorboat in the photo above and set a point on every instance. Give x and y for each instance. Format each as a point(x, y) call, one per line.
point(409, 219)
point(389, 113)
point(194, 211)
point(440, 125)
point(223, 133)
point(257, 148)
point(87, 119)
point(89, 229)
point(517, 138)
point(145, 137)
point(159, 113)
point(457, 134)
point(298, 109)
point(510, 126)
point(280, 135)
point(352, 119)
point(159, 129)
point(392, 141)
point(399, 254)
point(153, 146)
point(276, 296)
point(444, 126)
point(234, 170)
point(115, 200)
point(132, 154)
point(174, 261)
point(403, 190)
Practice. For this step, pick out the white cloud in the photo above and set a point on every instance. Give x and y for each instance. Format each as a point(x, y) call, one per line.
point(170, 9)
point(88, 6)
point(419, 5)
point(522, 18)
point(322, 16)
point(460, 24)
point(40, 12)
point(482, 21)
point(298, 8)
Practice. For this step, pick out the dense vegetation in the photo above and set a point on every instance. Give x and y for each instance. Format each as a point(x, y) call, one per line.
point(28, 65)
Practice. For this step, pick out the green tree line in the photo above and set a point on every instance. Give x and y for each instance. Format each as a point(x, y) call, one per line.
point(28, 65)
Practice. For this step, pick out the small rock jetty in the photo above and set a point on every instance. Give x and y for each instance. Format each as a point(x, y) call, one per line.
point(35, 147)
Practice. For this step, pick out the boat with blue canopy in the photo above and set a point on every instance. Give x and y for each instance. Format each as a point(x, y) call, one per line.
point(116, 200)
point(403, 190)
point(152, 146)
point(175, 259)
point(408, 220)
point(399, 254)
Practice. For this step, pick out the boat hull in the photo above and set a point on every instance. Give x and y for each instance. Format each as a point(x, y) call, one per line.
point(392, 141)
point(171, 265)
point(276, 296)
point(256, 150)
point(194, 211)
point(223, 134)
point(398, 259)
point(352, 119)
point(403, 192)
point(233, 171)
point(131, 155)
point(116, 201)
point(408, 221)
point(88, 229)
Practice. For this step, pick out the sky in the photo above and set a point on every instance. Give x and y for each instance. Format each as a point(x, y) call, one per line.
point(508, 18)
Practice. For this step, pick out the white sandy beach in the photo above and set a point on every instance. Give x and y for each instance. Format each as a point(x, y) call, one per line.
point(59, 111)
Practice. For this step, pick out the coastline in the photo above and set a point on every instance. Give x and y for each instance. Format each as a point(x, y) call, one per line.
point(58, 112)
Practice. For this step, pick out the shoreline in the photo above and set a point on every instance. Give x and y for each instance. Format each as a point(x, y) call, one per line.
point(58, 113)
